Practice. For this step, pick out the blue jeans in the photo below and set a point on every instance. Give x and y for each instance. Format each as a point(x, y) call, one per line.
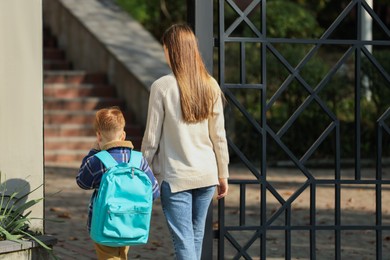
point(186, 213)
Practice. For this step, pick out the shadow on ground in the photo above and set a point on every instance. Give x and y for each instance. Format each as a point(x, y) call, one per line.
point(357, 208)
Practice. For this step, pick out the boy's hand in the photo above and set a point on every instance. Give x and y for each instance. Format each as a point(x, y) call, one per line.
point(223, 188)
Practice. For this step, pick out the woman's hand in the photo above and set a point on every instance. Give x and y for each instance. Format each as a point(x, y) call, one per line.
point(222, 188)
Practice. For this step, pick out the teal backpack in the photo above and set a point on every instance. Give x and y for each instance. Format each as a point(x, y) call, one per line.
point(123, 206)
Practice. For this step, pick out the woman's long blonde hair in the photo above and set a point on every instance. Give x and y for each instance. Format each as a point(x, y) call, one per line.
point(198, 92)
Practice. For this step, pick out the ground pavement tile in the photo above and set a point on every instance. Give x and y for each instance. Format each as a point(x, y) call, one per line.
point(70, 202)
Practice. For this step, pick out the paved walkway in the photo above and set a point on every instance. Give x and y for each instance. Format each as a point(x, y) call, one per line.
point(68, 203)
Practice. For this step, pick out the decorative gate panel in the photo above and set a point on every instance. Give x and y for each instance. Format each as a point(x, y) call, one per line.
point(276, 92)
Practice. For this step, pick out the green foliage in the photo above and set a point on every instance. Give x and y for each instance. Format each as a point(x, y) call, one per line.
point(315, 5)
point(379, 86)
point(286, 19)
point(155, 16)
point(377, 97)
point(14, 220)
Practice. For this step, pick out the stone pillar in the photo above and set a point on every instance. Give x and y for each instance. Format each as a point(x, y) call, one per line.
point(21, 99)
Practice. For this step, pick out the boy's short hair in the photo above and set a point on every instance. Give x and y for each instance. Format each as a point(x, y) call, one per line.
point(109, 119)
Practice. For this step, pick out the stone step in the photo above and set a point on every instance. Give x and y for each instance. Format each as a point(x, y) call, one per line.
point(68, 90)
point(49, 41)
point(73, 76)
point(71, 99)
point(69, 157)
point(73, 117)
point(69, 143)
point(82, 103)
point(77, 143)
point(53, 54)
point(84, 130)
point(56, 65)
point(68, 117)
point(72, 157)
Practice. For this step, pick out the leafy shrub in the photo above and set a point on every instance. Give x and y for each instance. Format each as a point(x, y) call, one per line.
point(155, 16)
point(14, 220)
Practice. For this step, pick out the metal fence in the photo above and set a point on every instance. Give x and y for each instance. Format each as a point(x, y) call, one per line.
point(357, 52)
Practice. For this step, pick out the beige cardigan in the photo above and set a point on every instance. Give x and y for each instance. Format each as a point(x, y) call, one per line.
point(187, 156)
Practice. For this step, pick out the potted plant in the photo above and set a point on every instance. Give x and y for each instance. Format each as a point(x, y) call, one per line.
point(15, 220)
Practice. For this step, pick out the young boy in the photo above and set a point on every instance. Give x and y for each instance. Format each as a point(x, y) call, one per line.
point(109, 127)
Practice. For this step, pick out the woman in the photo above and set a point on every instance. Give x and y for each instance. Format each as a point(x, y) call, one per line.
point(185, 141)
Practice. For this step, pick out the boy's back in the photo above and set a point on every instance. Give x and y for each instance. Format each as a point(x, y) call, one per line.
point(110, 136)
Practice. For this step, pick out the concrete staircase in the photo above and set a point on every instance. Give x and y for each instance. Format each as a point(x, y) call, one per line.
point(71, 98)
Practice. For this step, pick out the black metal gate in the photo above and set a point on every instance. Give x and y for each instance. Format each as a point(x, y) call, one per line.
point(251, 93)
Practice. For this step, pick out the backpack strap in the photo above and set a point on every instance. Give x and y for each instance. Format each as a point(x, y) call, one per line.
point(135, 159)
point(106, 159)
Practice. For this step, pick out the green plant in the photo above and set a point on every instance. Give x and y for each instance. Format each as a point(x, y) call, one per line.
point(155, 16)
point(14, 220)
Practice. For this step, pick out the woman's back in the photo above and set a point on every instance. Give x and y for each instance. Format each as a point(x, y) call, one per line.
point(185, 141)
point(186, 152)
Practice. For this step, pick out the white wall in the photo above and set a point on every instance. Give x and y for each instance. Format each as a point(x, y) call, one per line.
point(21, 91)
